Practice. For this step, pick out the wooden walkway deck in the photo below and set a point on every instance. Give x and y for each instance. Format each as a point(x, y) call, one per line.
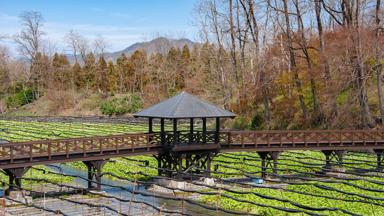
point(24, 154)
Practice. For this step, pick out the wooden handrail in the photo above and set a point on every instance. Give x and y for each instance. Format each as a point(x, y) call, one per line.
point(46, 150)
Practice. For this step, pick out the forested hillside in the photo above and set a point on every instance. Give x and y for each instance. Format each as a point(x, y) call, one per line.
point(277, 64)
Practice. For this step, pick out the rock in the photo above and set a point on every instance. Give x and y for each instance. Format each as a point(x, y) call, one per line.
point(209, 181)
point(19, 197)
point(162, 185)
point(160, 189)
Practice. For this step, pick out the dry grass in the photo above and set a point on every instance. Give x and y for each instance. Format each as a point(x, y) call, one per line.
point(62, 103)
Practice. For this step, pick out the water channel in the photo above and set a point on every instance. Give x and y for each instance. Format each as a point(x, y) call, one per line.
point(125, 207)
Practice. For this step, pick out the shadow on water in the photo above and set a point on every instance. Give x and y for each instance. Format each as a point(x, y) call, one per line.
point(118, 192)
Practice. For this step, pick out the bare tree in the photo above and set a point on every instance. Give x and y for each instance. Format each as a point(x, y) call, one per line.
point(318, 115)
point(210, 20)
point(248, 7)
point(29, 39)
point(73, 40)
point(83, 49)
point(233, 40)
point(351, 15)
point(378, 57)
point(100, 45)
point(4, 73)
point(79, 45)
point(326, 67)
point(29, 42)
point(292, 60)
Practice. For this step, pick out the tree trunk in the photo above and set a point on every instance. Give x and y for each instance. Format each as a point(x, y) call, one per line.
point(292, 61)
point(254, 31)
point(327, 73)
point(220, 64)
point(318, 115)
point(352, 18)
point(255, 37)
point(378, 66)
point(233, 41)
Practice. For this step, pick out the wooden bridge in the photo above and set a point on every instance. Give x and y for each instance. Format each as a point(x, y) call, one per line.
point(23, 154)
point(178, 152)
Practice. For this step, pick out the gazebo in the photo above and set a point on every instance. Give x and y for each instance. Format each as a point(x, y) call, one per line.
point(194, 146)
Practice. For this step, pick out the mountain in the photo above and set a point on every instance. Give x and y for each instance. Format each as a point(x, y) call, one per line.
point(157, 45)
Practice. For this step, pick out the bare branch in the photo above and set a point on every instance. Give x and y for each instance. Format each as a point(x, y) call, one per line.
point(29, 38)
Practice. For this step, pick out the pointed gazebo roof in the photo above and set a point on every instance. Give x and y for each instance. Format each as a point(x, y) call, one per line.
point(184, 105)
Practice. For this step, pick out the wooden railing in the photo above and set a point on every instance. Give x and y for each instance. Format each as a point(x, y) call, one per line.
point(53, 151)
point(285, 140)
point(185, 137)
point(66, 148)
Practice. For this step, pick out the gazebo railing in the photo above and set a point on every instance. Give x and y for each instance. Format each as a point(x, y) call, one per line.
point(185, 137)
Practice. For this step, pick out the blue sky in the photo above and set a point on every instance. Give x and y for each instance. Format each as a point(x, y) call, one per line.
point(121, 23)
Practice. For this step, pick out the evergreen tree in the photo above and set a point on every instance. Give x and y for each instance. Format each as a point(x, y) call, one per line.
point(139, 66)
point(77, 76)
point(40, 77)
point(88, 71)
point(4, 78)
point(121, 72)
point(112, 78)
point(102, 75)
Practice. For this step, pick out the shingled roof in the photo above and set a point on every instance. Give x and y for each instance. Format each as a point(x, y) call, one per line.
point(184, 105)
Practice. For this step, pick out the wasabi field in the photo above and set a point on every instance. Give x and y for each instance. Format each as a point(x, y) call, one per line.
point(302, 185)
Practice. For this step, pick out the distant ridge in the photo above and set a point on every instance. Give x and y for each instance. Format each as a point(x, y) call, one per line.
point(157, 45)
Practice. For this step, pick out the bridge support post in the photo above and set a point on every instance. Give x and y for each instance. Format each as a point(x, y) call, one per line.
point(94, 170)
point(333, 155)
point(164, 164)
point(180, 164)
point(380, 158)
point(266, 161)
point(159, 161)
point(275, 156)
point(263, 156)
point(340, 156)
point(328, 163)
point(208, 167)
point(14, 176)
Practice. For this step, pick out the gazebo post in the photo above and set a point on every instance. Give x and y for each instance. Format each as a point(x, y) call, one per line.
point(162, 131)
point(217, 132)
point(174, 131)
point(191, 130)
point(184, 153)
point(204, 130)
point(150, 125)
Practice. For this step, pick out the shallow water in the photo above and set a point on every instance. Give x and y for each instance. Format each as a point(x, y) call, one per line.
point(118, 192)
point(124, 207)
